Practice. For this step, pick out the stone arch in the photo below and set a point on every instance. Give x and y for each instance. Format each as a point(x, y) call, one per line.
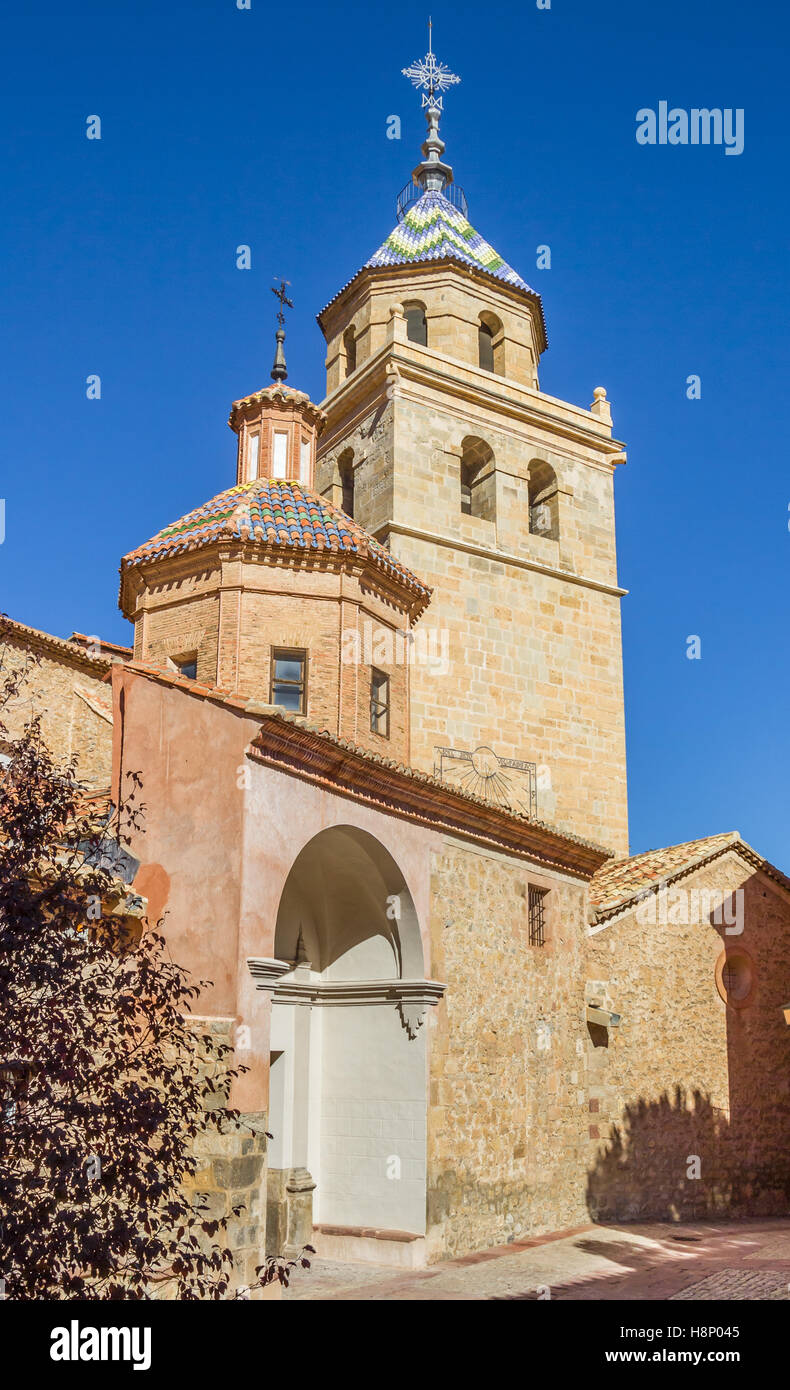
point(478, 478)
point(416, 321)
point(348, 1059)
point(491, 343)
point(345, 889)
point(543, 500)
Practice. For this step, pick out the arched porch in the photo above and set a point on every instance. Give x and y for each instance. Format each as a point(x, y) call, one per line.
point(348, 1068)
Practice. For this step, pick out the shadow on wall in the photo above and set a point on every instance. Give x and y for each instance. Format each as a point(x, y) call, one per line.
point(678, 1158)
point(647, 1168)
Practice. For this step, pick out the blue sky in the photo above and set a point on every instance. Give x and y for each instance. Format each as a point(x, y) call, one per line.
point(268, 127)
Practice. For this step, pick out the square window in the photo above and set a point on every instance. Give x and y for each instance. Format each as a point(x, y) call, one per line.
point(380, 703)
point(289, 680)
point(188, 668)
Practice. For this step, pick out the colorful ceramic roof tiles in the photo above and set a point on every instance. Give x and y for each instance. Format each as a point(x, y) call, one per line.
point(431, 231)
point(274, 512)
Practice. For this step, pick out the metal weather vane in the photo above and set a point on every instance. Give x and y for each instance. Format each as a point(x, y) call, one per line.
point(434, 77)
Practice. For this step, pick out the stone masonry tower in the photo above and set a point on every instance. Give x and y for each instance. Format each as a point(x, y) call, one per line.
point(441, 444)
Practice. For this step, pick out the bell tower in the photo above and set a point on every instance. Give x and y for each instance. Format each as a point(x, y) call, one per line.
point(499, 496)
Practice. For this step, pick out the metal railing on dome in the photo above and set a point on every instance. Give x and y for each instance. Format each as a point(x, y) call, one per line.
point(412, 191)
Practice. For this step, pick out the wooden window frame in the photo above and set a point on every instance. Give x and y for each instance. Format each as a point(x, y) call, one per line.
point(288, 654)
point(384, 705)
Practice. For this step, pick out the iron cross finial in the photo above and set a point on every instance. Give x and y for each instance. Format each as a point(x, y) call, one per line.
point(279, 370)
point(431, 75)
point(285, 302)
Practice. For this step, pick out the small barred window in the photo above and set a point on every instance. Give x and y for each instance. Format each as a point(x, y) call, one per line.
point(537, 916)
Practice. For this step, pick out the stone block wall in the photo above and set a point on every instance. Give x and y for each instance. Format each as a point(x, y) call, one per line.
point(453, 302)
point(535, 672)
point(232, 1172)
point(367, 433)
point(687, 1074)
point(67, 689)
point(507, 1118)
point(540, 1120)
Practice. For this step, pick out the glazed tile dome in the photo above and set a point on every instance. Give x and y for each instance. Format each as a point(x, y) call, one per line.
point(278, 514)
point(433, 230)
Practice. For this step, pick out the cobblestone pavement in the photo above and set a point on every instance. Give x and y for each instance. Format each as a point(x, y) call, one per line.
point(738, 1260)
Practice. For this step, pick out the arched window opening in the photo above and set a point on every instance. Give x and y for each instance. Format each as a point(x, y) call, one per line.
point(478, 479)
point(491, 344)
point(543, 499)
point(416, 324)
point(345, 467)
point(485, 345)
point(350, 346)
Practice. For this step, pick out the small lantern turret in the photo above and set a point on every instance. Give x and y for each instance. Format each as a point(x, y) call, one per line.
point(277, 426)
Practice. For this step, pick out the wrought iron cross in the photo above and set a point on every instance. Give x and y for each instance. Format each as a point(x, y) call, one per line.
point(433, 76)
point(283, 298)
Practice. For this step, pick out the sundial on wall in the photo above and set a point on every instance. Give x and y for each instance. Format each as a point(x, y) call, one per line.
point(506, 782)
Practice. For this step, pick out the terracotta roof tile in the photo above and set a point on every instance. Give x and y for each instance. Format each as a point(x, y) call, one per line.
point(622, 881)
point(63, 646)
point(109, 648)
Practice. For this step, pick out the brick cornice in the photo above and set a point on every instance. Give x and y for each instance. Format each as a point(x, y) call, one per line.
point(349, 771)
point(290, 744)
point(280, 399)
point(394, 589)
